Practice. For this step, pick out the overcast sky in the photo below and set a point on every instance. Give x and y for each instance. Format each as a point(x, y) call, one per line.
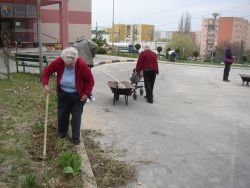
point(165, 14)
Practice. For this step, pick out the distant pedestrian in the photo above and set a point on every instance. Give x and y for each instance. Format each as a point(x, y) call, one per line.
point(74, 84)
point(173, 55)
point(148, 65)
point(228, 60)
point(87, 50)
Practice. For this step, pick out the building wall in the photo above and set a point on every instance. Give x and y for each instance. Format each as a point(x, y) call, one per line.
point(225, 30)
point(79, 21)
point(145, 32)
point(247, 45)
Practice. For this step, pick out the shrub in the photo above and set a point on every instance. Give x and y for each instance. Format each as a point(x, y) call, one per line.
point(244, 59)
point(101, 51)
point(137, 47)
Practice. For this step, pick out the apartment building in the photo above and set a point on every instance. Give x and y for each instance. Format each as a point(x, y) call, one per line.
point(132, 32)
point(224, 29)
point(62, 20)
point(79, 20)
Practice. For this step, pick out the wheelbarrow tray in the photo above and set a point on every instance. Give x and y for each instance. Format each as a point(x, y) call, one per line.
point(245, 78)
point(120, 91)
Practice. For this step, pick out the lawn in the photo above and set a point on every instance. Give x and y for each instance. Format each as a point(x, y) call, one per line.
point(22, 109)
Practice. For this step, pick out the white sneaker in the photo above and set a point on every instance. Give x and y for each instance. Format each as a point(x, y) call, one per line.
point(92, 99)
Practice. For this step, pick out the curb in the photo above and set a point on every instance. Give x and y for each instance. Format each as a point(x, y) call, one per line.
point(200, 65)
point(113, 61)
point(86, 170)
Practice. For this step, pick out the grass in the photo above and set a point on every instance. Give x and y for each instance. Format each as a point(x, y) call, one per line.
point(22, 109)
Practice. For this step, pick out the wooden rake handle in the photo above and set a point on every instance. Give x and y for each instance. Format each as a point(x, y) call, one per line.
point(45, 126)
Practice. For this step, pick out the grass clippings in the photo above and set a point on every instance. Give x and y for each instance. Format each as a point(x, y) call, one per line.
point(108, 172)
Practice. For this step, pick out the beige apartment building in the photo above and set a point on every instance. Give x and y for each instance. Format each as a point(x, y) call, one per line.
point(224, 29)
point(79, 12)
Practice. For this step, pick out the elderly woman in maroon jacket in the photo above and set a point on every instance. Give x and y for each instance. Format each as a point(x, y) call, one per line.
point(147, 63)
point(74, 84)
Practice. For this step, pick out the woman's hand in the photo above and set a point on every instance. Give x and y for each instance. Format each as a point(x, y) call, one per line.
point(46, 90)
point(84, 98)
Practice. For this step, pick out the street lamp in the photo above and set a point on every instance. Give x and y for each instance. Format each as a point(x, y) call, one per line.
point(113, 26)
point(215, 14)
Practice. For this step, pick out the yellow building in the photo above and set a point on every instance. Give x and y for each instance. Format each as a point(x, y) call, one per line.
point(145, 32)
point(131, 33)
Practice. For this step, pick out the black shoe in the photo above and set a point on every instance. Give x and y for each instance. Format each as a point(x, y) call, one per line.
point(76, 141)
point(226, 80)
point(145, 97)
point(150, 101)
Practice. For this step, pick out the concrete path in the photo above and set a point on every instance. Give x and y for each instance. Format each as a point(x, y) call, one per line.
point(195, 135)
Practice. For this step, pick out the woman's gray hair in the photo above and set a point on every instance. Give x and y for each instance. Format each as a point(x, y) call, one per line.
point(69, 52)
point(147, 47)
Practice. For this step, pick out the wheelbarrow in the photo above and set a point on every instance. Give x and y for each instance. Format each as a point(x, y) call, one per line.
point(125, 90)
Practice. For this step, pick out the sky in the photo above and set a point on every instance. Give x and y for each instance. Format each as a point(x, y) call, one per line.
point(164, 14)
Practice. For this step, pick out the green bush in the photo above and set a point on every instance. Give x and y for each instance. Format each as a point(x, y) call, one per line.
point(70, 162)
point(244, 59)
point(101, 51)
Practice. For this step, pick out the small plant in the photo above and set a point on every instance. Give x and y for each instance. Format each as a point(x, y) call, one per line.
point(61, 144)
point(28, 181)
point(38, 128)
point(70, 162)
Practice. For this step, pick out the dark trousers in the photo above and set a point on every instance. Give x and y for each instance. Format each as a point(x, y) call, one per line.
point(149, 81)
point(69, 103)
point(226, 71)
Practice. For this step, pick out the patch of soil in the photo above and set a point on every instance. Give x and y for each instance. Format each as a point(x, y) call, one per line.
point(36, 149)
point(108, 172)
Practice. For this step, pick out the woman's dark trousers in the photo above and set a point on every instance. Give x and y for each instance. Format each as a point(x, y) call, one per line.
point(226, 71)
point(69, 103)
point(149, 80)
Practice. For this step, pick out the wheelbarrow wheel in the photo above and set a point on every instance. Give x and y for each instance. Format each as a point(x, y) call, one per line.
point(134, 96)
point(141, 91)
point(117, 97)
point(126, 99)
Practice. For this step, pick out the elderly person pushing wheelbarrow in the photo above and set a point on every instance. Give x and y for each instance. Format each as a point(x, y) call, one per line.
point(74, 85)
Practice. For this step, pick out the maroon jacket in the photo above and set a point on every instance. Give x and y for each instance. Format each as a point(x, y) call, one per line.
point(83, 79)
point(147, 60)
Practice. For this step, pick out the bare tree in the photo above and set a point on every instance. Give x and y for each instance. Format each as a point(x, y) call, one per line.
point(185, 23)
point(5, 51)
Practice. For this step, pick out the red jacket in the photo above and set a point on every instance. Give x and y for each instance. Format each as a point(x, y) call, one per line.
point(147, 60)
point(83, 77)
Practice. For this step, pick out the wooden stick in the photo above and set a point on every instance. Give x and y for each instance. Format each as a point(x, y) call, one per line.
point(109, 76)
point(45, 126)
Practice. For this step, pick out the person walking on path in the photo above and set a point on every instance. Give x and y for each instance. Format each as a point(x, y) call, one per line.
point(87, 50)
point(228, 60)
point(148, 65)
point(74, 84)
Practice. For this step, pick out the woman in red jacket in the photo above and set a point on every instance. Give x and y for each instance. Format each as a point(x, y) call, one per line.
point(74, 85)
point(147, 63)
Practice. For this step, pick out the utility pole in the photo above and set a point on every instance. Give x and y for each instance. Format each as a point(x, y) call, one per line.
point(215, 14)
point(96, 30)
point(39, 35)
point(113, 25)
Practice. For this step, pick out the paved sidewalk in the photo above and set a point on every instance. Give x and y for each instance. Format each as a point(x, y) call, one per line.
point(195, 135)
